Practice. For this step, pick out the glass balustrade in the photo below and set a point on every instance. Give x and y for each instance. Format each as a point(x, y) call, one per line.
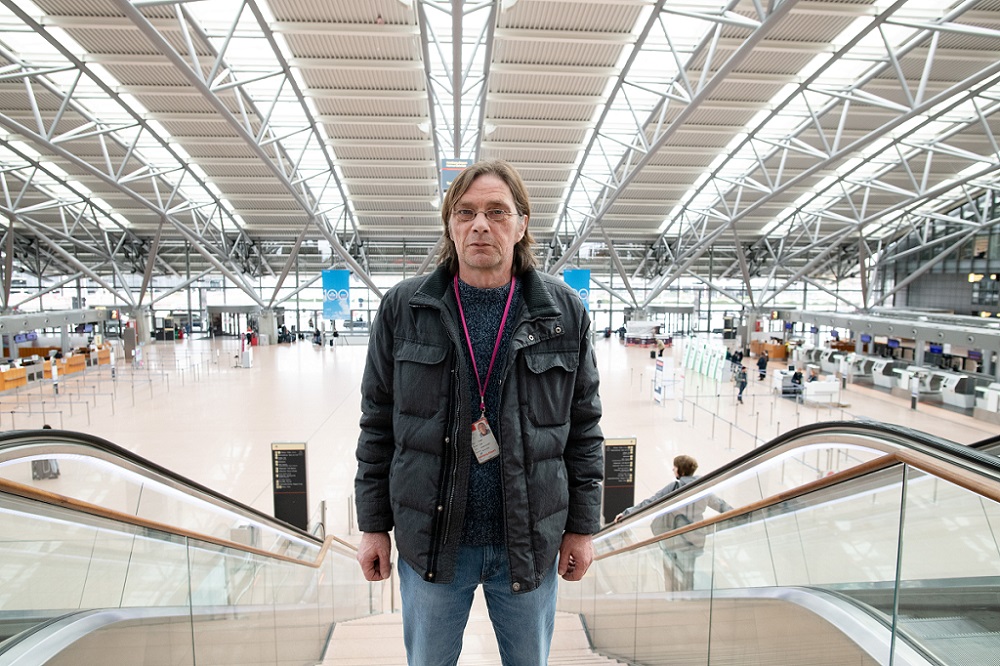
point(823, 548)
point(195, 581)
point(882, 564)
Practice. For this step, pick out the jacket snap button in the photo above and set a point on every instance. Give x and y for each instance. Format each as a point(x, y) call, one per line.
point(430, 575)
point(558, 329)
point(531, 337)
point(440, 508)
point(516, 586)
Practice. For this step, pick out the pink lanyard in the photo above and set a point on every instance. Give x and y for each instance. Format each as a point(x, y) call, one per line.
point(483, 384)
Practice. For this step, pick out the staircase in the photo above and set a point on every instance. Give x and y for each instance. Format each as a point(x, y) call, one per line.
point(378, 641)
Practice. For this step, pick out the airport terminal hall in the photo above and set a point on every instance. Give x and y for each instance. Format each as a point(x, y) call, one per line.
point(499, 332)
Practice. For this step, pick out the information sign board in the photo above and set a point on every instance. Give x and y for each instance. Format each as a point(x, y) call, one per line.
point(288, 466)
point(619, 476)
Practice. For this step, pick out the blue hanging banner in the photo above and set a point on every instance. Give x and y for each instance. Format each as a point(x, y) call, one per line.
point(337, 294)
point(579, 280)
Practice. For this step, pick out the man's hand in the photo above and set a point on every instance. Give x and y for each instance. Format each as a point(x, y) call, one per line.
point(575, 555)
point(373, 555)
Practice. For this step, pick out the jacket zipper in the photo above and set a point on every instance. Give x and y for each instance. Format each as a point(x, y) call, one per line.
point(453, 462)
point(449, 501)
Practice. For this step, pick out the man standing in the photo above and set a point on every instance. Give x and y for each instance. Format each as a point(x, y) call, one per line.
point(762, 366)
point(480, 440)
point(741, 382)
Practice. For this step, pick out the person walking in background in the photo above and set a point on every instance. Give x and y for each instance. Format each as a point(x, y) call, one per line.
point(741, 382)
point(762, 365)
point(480, 441)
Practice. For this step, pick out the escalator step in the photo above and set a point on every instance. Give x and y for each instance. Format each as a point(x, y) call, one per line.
point(979, 649)
point(940, 627)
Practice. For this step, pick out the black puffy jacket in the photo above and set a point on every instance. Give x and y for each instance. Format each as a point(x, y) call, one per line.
point(415, 444)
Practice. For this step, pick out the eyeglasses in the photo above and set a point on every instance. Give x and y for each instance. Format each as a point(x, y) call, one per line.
point(493, 214)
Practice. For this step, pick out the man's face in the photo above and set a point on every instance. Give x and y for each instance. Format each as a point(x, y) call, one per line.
point(485, 248)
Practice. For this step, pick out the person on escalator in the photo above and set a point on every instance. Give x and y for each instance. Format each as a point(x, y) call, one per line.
point(480, 446)
point(683, 549)
point(45, 469)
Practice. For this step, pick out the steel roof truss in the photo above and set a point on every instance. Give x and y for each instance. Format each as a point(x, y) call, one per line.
point(72, 277)
point(67, 102)
point(76, 263)
point(630, 165)
point(616, 260)
point(873, 182)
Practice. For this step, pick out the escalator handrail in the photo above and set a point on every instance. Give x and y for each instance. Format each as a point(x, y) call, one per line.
point(927, 455)
point(896, 436)
point(31, 493)
point(12, 440)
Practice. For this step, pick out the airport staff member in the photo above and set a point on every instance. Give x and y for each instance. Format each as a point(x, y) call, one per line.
point(484, 343)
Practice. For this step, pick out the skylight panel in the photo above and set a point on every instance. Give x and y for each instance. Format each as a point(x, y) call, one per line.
point(32, 47)
point(841, 75)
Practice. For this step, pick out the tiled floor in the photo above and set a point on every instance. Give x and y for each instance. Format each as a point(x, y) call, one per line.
point(192, 409)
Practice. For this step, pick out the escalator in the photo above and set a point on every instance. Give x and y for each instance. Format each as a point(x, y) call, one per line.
point(849, 543)
point(120, 561)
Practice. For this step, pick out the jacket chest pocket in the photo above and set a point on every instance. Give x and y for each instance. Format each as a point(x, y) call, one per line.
point(547, 393)
point(421, 378)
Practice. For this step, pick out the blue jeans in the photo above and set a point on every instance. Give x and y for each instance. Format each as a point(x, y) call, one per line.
point(435, 614)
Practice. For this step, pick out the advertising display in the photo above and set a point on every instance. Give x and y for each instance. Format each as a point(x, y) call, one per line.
point(579, 280)
point(337, 294)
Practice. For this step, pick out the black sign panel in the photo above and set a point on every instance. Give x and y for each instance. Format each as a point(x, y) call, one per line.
point(288, 466)
point(619, 476)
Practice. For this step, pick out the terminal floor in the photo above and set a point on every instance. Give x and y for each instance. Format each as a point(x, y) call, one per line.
point(191, 407)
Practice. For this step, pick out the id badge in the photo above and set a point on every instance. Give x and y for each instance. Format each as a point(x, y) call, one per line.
point(484, 444)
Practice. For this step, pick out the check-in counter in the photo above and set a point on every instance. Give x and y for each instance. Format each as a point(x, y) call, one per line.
point(12, 377)
point(829, 361)
point(824, 391)
point(812, 356)
point(860, 366)
point(75, 363)
point(60, 367)
point(34, 368)
point(641, 332)
point(66, 366)
point(775, 350)
point(923, 376)
point(781, 382)
point(883, 372)
point(988, 397)
point(957, 389)
point(104, 356)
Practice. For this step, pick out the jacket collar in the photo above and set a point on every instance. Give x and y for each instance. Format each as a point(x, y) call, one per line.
point(538, 302)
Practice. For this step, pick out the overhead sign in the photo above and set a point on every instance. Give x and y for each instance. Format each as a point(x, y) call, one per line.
point(450, 168)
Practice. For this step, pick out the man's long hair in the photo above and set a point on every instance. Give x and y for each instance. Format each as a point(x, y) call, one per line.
point(523, 257)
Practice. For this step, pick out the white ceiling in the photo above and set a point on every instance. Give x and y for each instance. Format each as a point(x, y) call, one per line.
point(774, 140)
